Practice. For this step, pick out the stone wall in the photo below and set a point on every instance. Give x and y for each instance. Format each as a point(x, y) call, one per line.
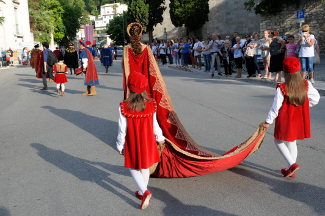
point(225, 18)
point(286, 21)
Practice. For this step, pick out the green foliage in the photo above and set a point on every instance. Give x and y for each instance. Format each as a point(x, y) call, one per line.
point(267, 7)
point(192, 13)
point(138, 11)
point(156, 10)
point(2, 20)
point(115, 28)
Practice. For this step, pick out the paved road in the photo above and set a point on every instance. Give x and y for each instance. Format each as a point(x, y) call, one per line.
point(58, 155)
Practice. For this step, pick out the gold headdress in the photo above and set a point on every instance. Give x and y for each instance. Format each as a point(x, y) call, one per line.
point(134, 29)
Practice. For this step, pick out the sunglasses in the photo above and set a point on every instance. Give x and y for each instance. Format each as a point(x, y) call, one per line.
point(304, 31)
point(290, 38)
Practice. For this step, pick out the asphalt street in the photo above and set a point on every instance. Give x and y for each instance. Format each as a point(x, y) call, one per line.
point(58, 155)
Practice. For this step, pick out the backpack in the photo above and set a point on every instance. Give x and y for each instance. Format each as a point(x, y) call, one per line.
point(51, 58)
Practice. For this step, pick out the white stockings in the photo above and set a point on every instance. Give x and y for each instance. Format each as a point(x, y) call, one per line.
point(141, 178)
point(62, 86)
point(289, 153)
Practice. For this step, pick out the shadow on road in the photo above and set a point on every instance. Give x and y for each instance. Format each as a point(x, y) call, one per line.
point(311, 195)
point(86, 170)
point(4, 211)
point(175, 207)
point(103, 129)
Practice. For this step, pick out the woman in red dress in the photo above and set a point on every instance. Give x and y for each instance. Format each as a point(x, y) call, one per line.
point(60, 78)
point(138, 134)
point(291, 113)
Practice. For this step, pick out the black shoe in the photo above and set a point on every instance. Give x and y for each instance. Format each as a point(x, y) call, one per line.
point(220, 74)
point(43, 89)
point(248, 76)
point(212, 75)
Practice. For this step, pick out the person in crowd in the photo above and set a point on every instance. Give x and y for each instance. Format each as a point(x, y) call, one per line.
point(225, 52)
point(57, 52)
point(181, 40)
point(154, 51)
point(249, 60)
point(11, 60)
point(106, 58)
point(233, 40)
point(185, 52)
point(71, 58)
point(238, 55)
point(175, 55)
point(60, 78)
point(207, 54)
point(170, 51)
point(24, 61)
point(192, 52)
point(306, 52)
point(291, 47)
point(215, 58)
point(254, 44)
point(137, 137)
point(158, 52)
point(115, 52)
point(8, 58)
point(265, 54)
point(290, 110)
point(228, 39)
point(33, 60)
point(277, 55)
point(198, 47)
point(162, 49)
point(46, 69)
point(89, 68)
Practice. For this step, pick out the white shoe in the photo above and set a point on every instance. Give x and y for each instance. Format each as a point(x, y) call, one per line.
point(216, 71)
point(312, 81)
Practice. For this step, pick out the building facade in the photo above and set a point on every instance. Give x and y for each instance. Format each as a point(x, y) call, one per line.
point(107, 12)
point(15, 30)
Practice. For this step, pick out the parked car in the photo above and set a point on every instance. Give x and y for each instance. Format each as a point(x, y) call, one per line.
point(119, 51)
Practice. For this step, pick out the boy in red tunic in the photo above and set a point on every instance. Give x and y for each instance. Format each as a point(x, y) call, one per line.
point(291, 113)
point(60, 78)
point(138, 133)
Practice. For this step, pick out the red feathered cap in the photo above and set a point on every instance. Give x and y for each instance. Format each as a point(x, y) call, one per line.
point(70, 44)
point(56, 47)
point(137, 82)
point(291, 65)
point(88, 42)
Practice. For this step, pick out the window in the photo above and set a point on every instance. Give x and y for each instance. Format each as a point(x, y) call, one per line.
point(104, 21)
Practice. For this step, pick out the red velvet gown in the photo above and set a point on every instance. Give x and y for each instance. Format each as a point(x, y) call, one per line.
point(40, 65)
point(292, 123)
point(141, 150)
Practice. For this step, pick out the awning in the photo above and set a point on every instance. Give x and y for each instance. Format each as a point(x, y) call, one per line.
point(99, 42)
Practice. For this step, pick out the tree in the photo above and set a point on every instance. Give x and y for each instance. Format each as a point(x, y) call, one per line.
point(138, 11)
point(273, 7)
point(192, 13)
point(156, 10)
point(115, 29)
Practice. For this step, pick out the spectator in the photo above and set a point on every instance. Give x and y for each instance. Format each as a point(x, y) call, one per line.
point(277, 55)
point(265, 48)
point(163, 49)
point(169, 52)
point(254, 44)
point(228, 39)
point(175, 52)
point(11, 60)
point(225, 52)
point(238, 56)
point(154, 50)
point(233, 40)
point(207, 54)
point(306, 52)
point(198, 47)
point(185, 52)
point(249, 60)
point(192, 52)
point(215, 47)
point(291, 47)
point(158, 52)
point(8, 58)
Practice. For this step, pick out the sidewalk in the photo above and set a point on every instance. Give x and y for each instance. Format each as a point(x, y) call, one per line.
point(319, 76)
point(15, 66)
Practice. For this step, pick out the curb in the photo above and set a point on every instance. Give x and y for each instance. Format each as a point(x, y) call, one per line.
point(248, 80)
point(15, 66)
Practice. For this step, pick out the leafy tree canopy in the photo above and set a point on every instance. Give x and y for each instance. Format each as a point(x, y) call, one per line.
point(192, 13)
point(115, 28)
point(265, 7)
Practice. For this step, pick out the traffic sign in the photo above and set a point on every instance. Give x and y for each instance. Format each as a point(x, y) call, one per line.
point(301, 14)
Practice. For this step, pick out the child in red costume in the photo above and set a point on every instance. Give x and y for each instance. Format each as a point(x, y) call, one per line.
point(60, 78)
point(138, 134)
point(291, 113)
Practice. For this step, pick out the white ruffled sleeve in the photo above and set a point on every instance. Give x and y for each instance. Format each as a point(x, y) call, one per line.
point(157, 130)
point(313, 95)
point(277, 104)
point(122, 123)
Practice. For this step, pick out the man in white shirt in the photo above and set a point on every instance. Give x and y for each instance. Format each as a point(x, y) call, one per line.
point(215, 47)
point(198, 47)
point(162, 49)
